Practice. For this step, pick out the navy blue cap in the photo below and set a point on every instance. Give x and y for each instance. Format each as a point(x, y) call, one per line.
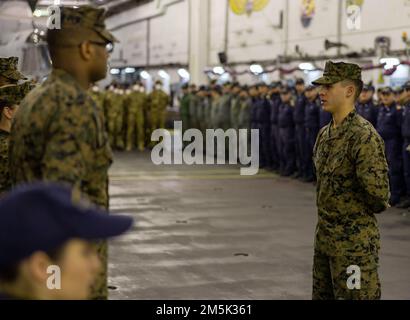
point(285, 90)
point(387, 90)
point(368, 87)
point(310, 87)
point(300, 81)
point(43, 216)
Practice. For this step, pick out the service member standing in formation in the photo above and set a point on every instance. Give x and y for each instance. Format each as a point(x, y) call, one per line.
point(366, 107)
point(10, 97)
point(58, 133)
point(352, 185)
point(157, 107)
point(389, 127)
point(312, 123)
point(299, 119)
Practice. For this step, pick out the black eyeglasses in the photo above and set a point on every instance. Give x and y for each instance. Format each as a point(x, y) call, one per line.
point(109, 46)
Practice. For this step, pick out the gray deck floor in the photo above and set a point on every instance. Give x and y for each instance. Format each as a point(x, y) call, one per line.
point(205, 232)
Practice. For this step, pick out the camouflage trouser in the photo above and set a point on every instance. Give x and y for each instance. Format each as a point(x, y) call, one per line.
point(99, 290)
point(119, 131)
point(135, 131)
point(330, 277)
point(131, 131)
point(140, 131)
point(111, 130)
point(162, 118)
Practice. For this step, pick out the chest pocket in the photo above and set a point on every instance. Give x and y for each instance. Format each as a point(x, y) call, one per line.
point(332, 159)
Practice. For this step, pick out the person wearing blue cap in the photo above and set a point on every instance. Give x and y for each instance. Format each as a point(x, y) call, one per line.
point(286, 133)
point(47, 249)
point(405, 131)
point(365, 105)
point(312, 111)
point(389, 125)
point(300, 137)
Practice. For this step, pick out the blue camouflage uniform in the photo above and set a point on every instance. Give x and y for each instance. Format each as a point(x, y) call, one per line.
point(262, 116)
point(286, 139)
point(368, 111)
point(274, 130)
point(300, 137)
point(389, 126)
point(405, 130)
point(312, 125)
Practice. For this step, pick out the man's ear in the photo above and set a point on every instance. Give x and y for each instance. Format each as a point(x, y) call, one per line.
point(350, 91)
point(86, 50)
point(8, 112)
point(36, 267)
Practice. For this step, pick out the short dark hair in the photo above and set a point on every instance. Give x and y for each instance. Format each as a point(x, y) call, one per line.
point(10, 274)
point(358, 84)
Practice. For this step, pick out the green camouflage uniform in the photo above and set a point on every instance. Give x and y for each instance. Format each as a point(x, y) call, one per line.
point(119, 126)
point(10, 95)
point(158, 102)
point(110, 115)
point(225, 111)
point(58, 134)
point(5, 181)
point(234, 112)
point(352, 185)
point(8, 70)
point(99, 100)
point(193, 110)
point(184, 111)
point(135, 103)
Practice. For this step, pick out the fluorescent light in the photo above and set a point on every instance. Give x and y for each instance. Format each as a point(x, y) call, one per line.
point(256, 68)
point(145, 75)
point(37, 13)
point(219, 70)
point(306, 66)
point(390, 62)
point(115, 71)
point(129, 70)
point(183, 74)
point(163, 74)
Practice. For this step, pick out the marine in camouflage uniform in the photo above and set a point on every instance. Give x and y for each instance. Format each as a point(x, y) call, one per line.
point(98, 97)
point(135, 103)
point(184, 107)
point(110, 113)
point(9, 73)
point(158, 102)
point(58, 133)
point(120, 122)
point(10, 97)
point(352, 185)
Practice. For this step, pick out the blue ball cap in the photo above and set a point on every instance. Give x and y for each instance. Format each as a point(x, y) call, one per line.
point(43, 216)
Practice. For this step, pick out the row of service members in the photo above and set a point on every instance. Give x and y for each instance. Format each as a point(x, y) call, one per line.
point(390, 115)
point(289, 120)
point(131, 114)
point(279, 114)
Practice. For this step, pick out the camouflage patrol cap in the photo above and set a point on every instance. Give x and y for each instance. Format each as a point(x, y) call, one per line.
point(86, 17)
point(13, 94)
point(8, 69)
point(339, 71)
